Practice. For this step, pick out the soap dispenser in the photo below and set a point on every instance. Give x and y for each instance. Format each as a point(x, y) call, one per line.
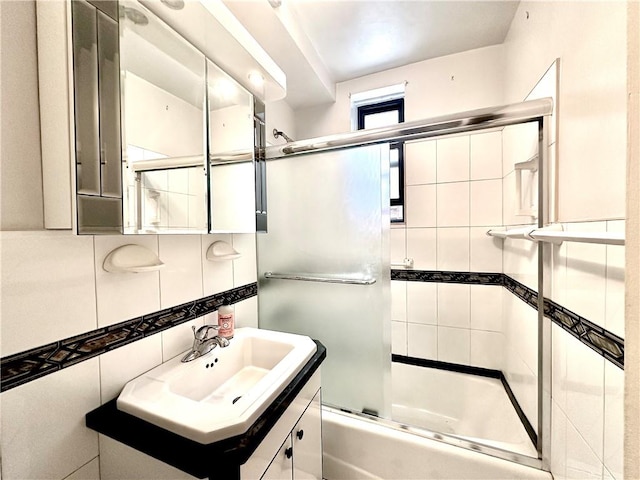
point(226, 320)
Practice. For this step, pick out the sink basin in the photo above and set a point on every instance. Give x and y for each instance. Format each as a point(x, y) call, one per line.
point(222, 393)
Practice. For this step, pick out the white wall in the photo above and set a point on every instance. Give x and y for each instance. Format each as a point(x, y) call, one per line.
point(590, 40)
point(281, 117)
point(439, 86)
point(632, 372)
point(161, 122)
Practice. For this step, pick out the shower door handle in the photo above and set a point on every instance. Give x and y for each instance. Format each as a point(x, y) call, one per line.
point(305, 277)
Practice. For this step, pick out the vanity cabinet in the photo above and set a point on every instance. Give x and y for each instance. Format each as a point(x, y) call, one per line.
point(284, 442)
point(300, 456)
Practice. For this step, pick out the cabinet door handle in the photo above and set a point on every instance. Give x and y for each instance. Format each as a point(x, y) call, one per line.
point(288, 452)
point(300, 434)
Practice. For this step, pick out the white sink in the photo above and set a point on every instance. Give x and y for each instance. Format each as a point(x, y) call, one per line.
point(222, 393)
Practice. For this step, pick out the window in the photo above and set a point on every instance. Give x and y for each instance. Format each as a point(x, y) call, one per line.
point(383, 114)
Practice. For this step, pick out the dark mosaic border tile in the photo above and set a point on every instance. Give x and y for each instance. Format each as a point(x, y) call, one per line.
point(439, 276)
point(29, 365)
point(602, 341)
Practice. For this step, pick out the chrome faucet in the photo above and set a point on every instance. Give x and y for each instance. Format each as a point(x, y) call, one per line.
point(203, 344)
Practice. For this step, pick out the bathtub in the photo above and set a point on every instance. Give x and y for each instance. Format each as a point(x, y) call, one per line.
point(357, 448)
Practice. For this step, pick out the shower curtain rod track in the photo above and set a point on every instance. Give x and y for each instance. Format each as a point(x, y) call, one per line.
point(462, 122)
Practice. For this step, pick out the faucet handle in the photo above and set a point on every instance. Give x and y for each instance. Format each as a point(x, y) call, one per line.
point(202, 332)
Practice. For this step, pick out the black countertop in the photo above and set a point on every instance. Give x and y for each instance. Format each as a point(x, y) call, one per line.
point(217, 460)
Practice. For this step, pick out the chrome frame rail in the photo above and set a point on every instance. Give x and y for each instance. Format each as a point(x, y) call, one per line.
point(444, 125)
point(305, 277)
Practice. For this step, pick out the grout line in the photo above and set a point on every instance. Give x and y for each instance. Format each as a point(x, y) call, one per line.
point(84, 465)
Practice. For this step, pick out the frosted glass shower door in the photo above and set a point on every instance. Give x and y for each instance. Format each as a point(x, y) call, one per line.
point(329, 220)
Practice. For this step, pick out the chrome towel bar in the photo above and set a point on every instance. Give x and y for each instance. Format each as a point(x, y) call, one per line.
point(304, 277)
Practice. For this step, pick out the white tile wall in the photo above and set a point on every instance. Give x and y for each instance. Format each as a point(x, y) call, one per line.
point(485, 251)
point(48, 288)
point(486, 203)
point(116, 367)
point(582, 462)
point(89, 471)
point(422, 247)
point(453, 249)
point(422, 303)
point(486, 307)
point(453, 159)
point(613, 420)
point(136, 293)
point(181, 278)
point(246, 313)
point(519, 144)
point(589, 279)
point(454, 345)
point(54, 287)
point(486, 349)
point(422, 341)
point(244, 268)
point(486, 155)
point(614, 301)
point(43, 431)
point(398, 243)
point(585, 393)
point(216, 276)
point(180, 338)
point(586, 274)
point(421, 206)
point(399, 300)
point(453, 204)
point(420, 162)
point(454, 305)
point(399, 337)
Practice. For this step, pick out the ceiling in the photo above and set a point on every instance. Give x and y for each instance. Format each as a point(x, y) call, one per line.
point(318, 43)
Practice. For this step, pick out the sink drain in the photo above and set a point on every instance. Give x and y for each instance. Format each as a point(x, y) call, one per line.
point(236, 399)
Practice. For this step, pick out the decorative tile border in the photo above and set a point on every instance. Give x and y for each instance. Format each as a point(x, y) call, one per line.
point(29, 365)
point(602, 341)
point(438, 276)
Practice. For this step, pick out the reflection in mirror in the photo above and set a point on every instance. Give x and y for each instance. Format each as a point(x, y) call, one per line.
point(163, 127)
point(231, 143)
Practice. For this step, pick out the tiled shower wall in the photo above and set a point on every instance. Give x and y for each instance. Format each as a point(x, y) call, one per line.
point(488, 326)
point(54, 287)
point(587, 390)
point(453, 196)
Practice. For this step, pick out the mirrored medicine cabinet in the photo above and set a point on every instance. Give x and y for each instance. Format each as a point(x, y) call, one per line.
point(186, 135)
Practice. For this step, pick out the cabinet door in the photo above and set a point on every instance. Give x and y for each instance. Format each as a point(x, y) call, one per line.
point(85, 72)
point(281, 466)
point(307, 443)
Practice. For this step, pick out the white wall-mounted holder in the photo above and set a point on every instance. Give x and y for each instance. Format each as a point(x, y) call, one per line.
point(132, 259)
point(220, 251)
point(406, 263)
point(527, 207)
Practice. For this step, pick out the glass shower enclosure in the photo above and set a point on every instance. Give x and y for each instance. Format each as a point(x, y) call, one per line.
point(323, 267)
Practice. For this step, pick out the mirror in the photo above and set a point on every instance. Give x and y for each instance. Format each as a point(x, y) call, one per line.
point(163, 83)
point(232, 187)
